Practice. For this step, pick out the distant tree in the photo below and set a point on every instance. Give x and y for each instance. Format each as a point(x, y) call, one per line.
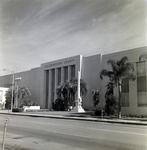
point(23, 95)
point(8, 97)
point(120, 69)
point(23, 92)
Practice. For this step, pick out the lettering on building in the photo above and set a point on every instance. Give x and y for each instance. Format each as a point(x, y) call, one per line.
point(65, 62)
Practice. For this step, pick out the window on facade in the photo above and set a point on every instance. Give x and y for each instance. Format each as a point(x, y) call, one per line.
point(65, 73)
point(1, 96)
point(141, 84)
point(59, 76)
point(125, 92)
point(72, 71)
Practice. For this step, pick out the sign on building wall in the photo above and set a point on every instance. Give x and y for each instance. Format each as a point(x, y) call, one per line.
point(59, 64)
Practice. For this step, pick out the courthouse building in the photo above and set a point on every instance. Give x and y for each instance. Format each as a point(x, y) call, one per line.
point(44, 80)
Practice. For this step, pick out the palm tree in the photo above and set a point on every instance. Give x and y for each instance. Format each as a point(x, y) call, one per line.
point(83, 86)
point(111, 106)
point(67, 90)
point(22, 94)
point(120, 69)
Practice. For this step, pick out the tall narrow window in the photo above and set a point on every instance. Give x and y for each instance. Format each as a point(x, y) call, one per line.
point(65, 73)
point(72, 71)
point(59, 76)
point(141, 84)
point(125, 92)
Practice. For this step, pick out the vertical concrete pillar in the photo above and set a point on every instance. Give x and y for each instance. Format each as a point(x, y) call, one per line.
point(50, 92)
point(46, 89)
point(69, 73)
point(62, 74)
point(56, 82)
point(133, 97)
point(57, 72)
point(78, 85)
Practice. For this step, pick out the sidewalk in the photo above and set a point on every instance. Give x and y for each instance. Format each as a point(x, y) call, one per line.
point(78, 116)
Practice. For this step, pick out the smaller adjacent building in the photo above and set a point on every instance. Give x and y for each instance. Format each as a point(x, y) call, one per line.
point(2, 97)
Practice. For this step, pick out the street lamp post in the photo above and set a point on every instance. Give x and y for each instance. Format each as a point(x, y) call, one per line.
point(12, 87)
point(16, 100)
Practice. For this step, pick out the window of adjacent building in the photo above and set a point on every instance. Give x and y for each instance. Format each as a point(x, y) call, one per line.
point(125, 92)
point(65, 73)
point(72, 71)
point(141, 84)
point(59, 76)
point(1, 96)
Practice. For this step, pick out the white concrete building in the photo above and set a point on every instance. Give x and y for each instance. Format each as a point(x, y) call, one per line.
point(2, 97)
point(43, 81)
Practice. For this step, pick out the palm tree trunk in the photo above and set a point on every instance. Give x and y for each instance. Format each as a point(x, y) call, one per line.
point(119, 109)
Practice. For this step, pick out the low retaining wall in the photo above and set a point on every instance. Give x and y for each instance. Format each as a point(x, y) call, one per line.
point(31, 108)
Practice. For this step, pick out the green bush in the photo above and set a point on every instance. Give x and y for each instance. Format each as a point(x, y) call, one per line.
point(59, 105)
point(97, 112)
point(111, 105)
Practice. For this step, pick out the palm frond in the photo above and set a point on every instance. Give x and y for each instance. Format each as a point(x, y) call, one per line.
point(83, 87)
point(126, 69)
point(123, 60)
point(105, 72)
point(131, 76)
point(115, 66)
point(111, 62)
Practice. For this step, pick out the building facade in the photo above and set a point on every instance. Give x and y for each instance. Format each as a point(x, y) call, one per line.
point(54, 73)
point(44, 80)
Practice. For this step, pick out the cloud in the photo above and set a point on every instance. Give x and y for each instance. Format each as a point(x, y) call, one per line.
point(38, 31)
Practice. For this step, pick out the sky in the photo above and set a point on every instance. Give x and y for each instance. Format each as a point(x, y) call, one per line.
point(33, 32)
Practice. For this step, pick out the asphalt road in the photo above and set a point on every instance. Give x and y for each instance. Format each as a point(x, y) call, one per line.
point(36, 133)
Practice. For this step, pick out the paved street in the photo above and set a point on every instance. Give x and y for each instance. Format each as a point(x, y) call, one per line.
point(38, 133)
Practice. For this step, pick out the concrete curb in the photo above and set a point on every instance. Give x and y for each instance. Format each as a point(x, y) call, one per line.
point(129, 122)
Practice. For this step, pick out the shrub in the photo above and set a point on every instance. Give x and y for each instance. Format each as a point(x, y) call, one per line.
point(111, 106)
point(59, 105)
point(96, 97)
point(97, 112)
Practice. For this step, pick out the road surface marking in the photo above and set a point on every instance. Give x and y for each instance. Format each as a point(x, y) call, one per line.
point(117, 131)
